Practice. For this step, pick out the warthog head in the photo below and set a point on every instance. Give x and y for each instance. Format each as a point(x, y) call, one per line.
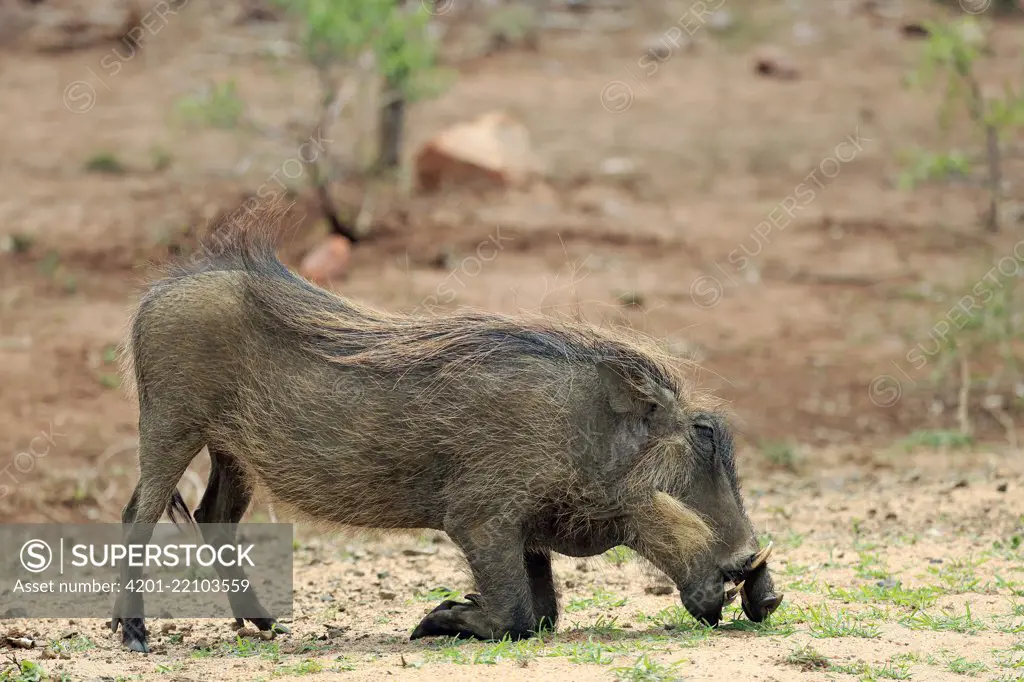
point(699, 532)
point(733, 563)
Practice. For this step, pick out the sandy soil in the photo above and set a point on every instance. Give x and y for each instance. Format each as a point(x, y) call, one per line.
point(881, 547)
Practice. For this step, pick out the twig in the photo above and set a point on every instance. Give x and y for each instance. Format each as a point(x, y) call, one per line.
point(1006, 421)
point(963, 406)
point(992, 152)
point(329, 114)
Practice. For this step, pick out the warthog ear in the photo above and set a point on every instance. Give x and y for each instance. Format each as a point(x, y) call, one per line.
point(631, 397)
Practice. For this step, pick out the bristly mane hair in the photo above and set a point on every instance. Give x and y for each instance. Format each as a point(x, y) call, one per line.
point(346, 332)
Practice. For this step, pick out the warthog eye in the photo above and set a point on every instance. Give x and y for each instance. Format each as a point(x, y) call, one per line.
point(705, 431)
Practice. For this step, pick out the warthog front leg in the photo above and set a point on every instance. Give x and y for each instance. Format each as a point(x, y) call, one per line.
point(504, 605)
point(542, 585)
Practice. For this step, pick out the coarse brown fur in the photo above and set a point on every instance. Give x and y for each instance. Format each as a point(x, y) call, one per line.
point(516, 435)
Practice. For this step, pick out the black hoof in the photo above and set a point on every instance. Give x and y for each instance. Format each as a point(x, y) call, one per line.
point(264, 624)
point(447, 605)
point(133, 634)
point(445, 621)
point(137, 645)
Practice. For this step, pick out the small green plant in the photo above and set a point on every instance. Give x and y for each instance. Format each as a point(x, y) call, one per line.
point(871, 567)
point(513, 25)
point(646, 669)
point(807, 658)
point(218, 105)
point(954, 49)
point(601, 599)
point(870, 673)
point(28, 671)
point(452, 650)
point(619, 555)
point(74, 644)
point(310, 666)
point(678, 621)
point(168, 668)
point(105, 162)
point(914, 598)
point(593, 653)
point(964, 666)
point(937, 440)
point(822, 623)
point(944, 622)
point(438, 594)
point(780, 455)
point(161, 158)
point(958, 576)
point(336, 33)
point(925, 167)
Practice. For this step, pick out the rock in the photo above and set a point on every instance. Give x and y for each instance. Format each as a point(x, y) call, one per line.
point(493, 150)
point(326, 597)
point(1002, 487)
point(256, 11)
point(202, 643)
point(805, 33)
point(660, 47)
point(993, 402)
point(328, 261)
point(21, 642)
point(386, 595)
point(617, 166)
point(914, 30)
point(774, 63)
point(721, 21)
point(333, 632)
point(64, 25)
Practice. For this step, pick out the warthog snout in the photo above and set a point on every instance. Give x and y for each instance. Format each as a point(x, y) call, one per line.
point(758, 593)
point(705, 599)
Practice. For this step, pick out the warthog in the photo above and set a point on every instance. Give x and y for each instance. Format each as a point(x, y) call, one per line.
point(517, 436)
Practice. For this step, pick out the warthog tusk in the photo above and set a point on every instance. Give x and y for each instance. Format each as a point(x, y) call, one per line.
point(761, 556)
point(730, 593)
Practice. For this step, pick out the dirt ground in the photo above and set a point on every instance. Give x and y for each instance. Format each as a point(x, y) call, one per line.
point(898, 540)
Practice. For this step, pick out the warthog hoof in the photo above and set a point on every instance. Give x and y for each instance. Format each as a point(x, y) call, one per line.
point(448, 619)
point(133, 633)
point(264, 624)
